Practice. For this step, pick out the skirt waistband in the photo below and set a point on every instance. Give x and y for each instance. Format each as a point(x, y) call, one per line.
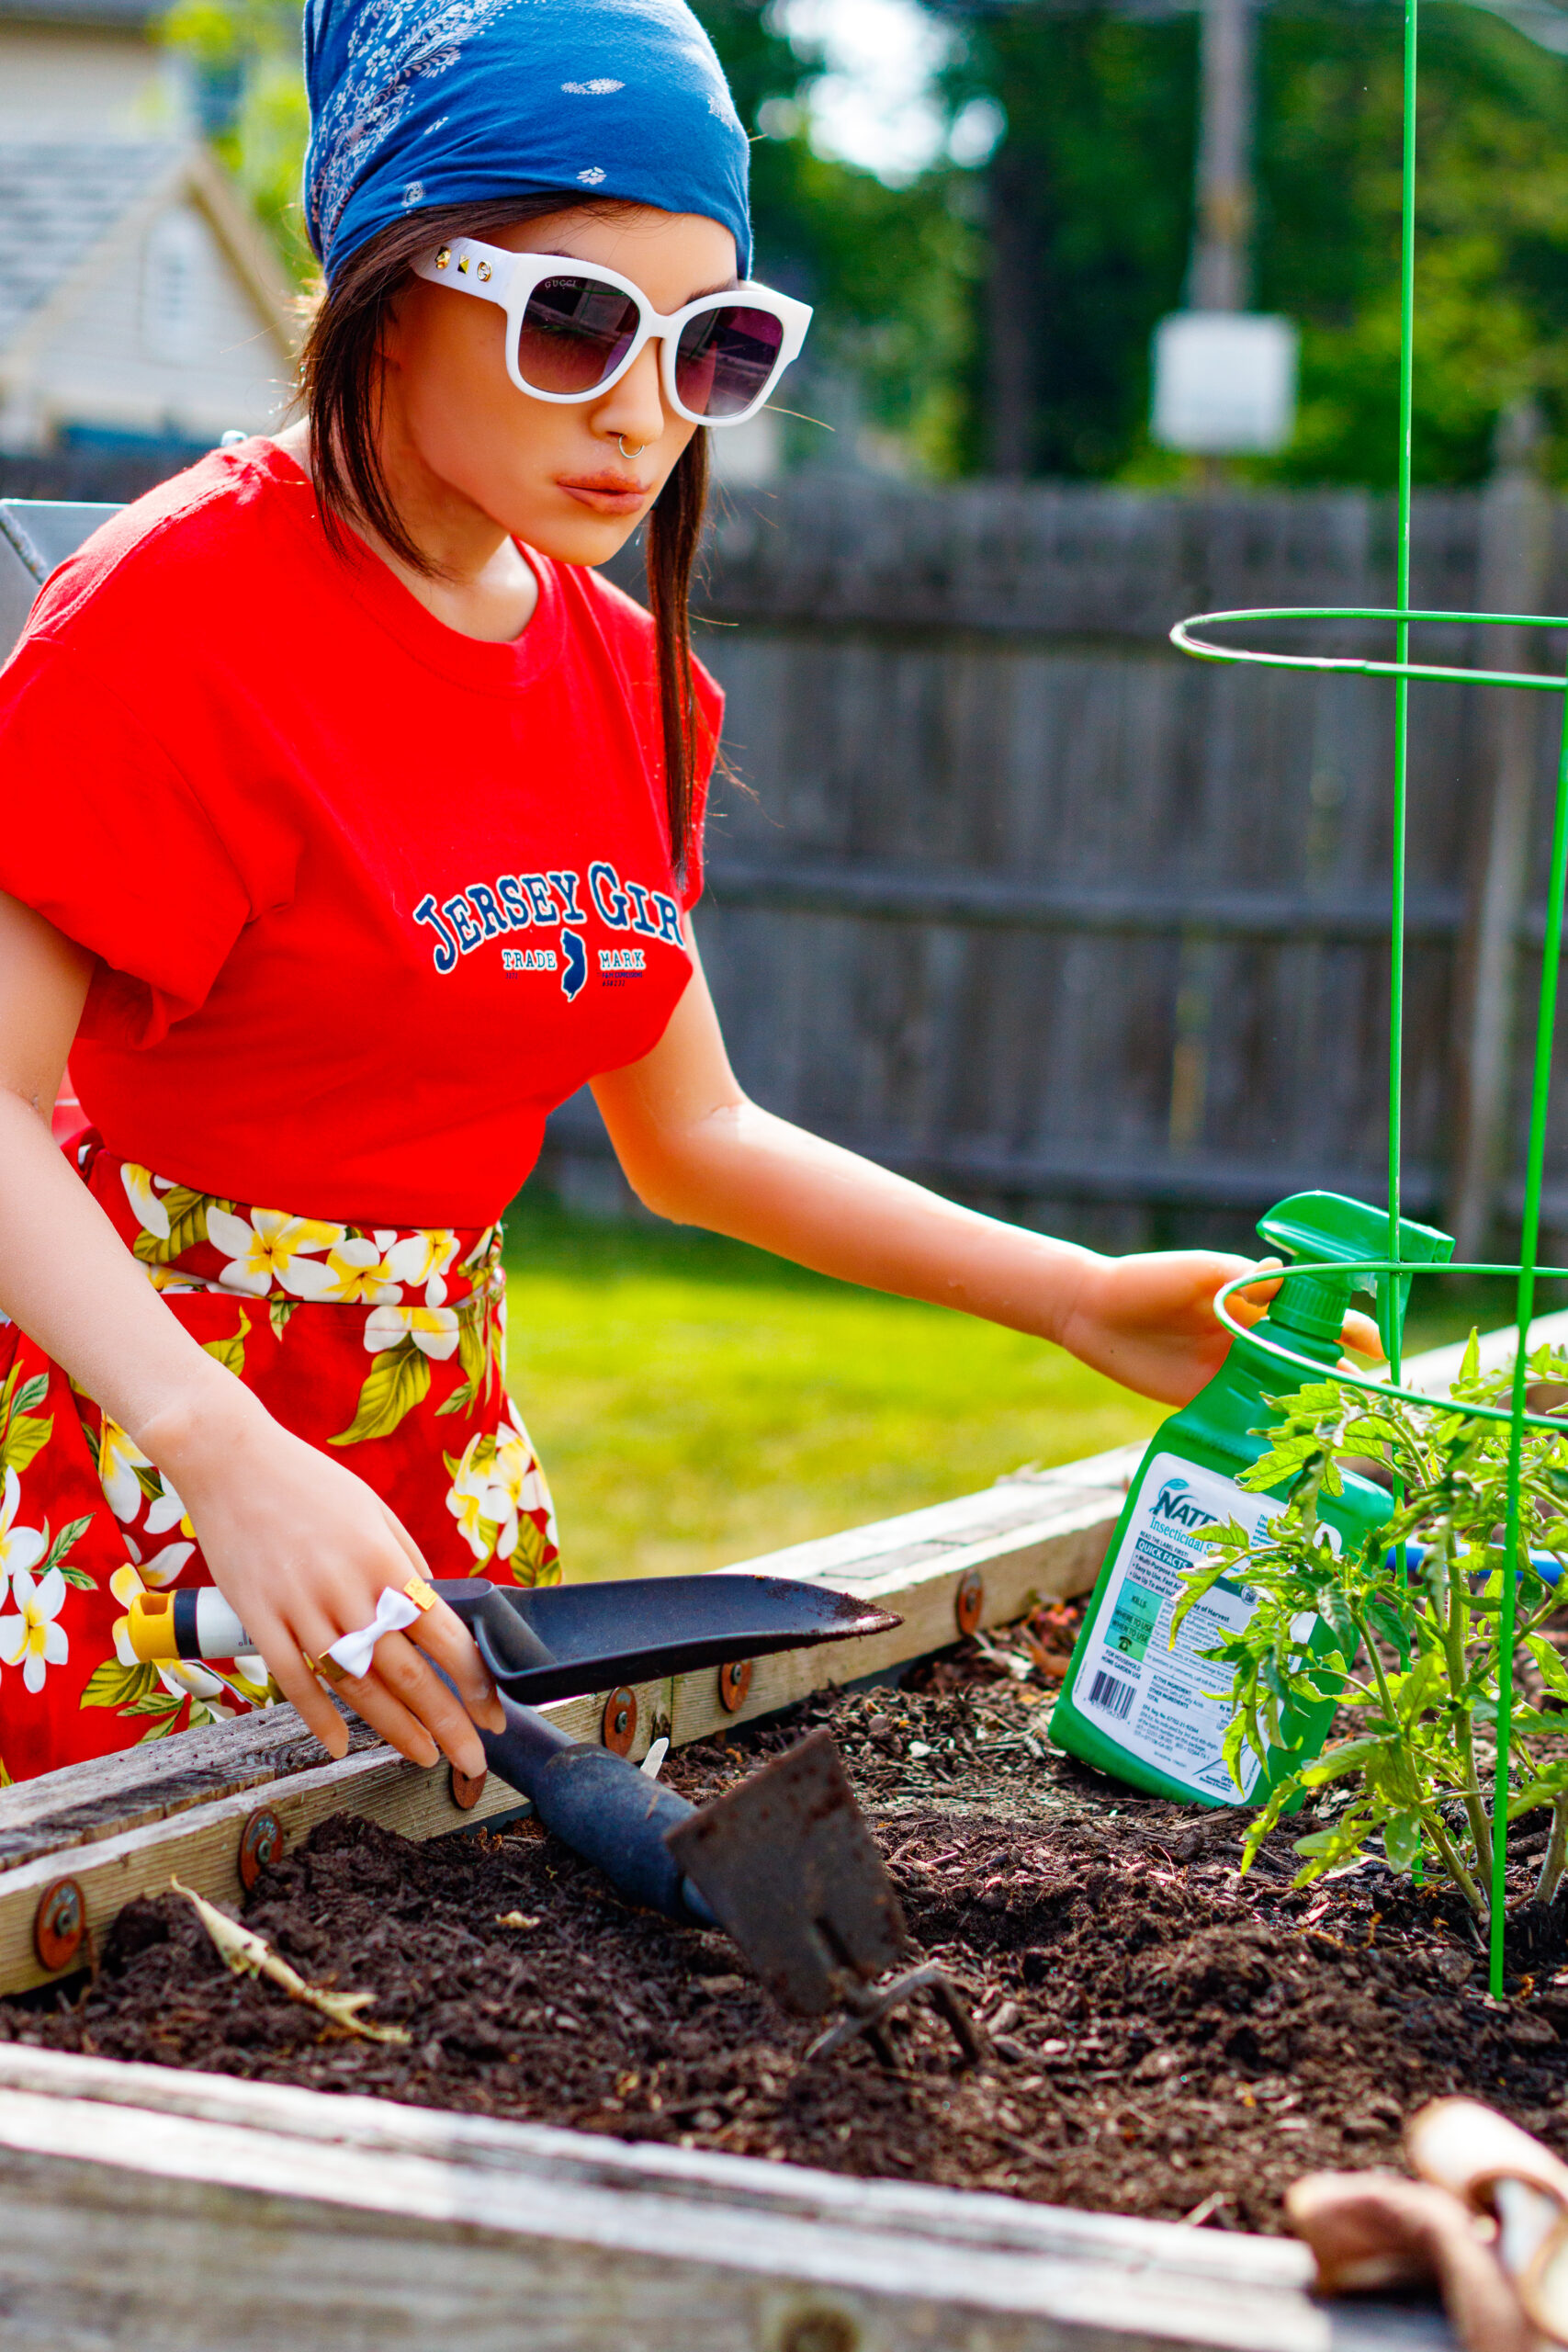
point(413, 1278)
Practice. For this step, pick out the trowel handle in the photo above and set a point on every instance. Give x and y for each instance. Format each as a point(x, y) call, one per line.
point(601, 1806)
point(195, 1622)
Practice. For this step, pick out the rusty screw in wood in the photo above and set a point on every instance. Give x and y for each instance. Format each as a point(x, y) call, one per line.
point(822, 2331)
point(59, 1924)
point(620, 1721)
point(969, 1600)
point(466, 1788)
point(734, 1682)
point(261, 1844)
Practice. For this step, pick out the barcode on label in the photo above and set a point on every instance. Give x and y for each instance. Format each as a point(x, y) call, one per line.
point(1112, 1695)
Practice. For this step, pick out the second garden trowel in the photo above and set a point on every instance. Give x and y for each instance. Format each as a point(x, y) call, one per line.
point(555, 1641)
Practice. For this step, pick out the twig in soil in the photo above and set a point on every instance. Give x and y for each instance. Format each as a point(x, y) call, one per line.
point(248, 1954)
point(1206, 2211)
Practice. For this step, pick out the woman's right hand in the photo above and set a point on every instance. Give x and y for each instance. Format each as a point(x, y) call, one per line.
point(303, 1550)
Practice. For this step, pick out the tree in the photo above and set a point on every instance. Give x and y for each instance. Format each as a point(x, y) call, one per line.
point(1090, 208)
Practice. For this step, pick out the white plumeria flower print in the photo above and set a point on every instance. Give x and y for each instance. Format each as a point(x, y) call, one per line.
point(32, 1639)
point(168, 1512)
point(467, 1499)
point(424, 1258)
point(151, 1214)
point(20, 1548)
point(272, 1249)
point(433, 1330)
point(359, 1271)
point(165, 1566)
point(517, 1485)
point(118, 1460)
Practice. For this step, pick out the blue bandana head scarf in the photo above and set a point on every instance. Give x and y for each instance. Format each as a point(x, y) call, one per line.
point(416, 103)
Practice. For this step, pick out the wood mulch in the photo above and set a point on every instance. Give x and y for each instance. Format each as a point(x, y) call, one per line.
point(1166, 2037)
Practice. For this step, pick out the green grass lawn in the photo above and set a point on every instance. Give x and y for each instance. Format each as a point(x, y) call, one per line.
point(696, 1402)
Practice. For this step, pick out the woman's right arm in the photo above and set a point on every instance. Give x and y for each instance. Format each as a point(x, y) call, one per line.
point(299, 1546)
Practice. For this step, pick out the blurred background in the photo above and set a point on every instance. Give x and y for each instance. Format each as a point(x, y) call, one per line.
point(1005, 894)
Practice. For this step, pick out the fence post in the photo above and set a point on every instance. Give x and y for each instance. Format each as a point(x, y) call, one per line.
point(1515, 524)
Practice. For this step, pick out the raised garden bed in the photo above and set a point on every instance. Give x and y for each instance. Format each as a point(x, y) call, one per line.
point(1168, 2040)
point(1165, 2039)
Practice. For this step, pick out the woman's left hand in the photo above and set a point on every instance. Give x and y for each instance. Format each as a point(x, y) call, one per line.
point(1150, 1321)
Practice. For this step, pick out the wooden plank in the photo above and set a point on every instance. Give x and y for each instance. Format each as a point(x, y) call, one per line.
point(141, 2206)
point(913, 895)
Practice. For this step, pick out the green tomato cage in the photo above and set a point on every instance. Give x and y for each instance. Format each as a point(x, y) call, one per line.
point(1401, 670)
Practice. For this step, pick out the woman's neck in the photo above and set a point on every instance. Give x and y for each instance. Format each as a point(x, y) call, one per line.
point(483, 587)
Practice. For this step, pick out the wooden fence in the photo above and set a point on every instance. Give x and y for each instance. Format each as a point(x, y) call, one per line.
point(1024, 902)
point(1020, 900)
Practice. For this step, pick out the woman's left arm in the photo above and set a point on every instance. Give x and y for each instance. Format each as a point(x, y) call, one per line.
point(695, 1150)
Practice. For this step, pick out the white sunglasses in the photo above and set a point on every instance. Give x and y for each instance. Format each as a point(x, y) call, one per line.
point(572, 329)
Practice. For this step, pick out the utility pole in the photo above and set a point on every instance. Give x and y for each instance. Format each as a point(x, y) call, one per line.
point(1220, 278)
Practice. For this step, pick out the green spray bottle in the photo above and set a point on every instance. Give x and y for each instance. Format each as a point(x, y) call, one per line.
point(1133, 1705)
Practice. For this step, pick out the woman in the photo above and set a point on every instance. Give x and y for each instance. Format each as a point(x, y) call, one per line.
point(351, 823)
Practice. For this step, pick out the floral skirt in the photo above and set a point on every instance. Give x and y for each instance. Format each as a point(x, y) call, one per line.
point(385, 1347)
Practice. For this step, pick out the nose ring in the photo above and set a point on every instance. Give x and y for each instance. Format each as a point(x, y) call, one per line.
point(630, 453)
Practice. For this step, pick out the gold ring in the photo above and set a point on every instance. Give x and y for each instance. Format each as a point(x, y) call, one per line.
point(420, 1593)
point(327, 1667)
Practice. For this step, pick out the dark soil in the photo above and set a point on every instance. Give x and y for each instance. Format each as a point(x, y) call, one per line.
point(1166, 2037)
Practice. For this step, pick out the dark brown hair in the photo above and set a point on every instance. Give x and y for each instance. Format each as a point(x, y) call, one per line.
point(340, 384)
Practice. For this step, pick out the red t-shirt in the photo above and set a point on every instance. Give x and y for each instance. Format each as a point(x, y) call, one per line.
point(370, 897)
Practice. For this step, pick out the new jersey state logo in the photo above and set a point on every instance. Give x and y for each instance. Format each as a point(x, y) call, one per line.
point(550, 904)
point(574, 963)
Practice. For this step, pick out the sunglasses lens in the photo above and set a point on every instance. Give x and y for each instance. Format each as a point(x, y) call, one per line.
point(725, 358)
point(575, 331)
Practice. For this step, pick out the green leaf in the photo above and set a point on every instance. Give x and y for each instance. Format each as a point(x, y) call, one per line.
point(113, 1685)
point(1469, 1370)
point(187, 1225)
point(1554, 1674)
point(230, 1353)
point(26, 1438)
point(79, 1578)
point(1349, 1756)
point(71, 1532)
point(398, 1381)
point(461, 1400)
point(1402, 1839)
point(277, 1314)
point(31, 1394)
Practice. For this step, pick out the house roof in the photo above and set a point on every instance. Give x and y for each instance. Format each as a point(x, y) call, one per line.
point(58, 199)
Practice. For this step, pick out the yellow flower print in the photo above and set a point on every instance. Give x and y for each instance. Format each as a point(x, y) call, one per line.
point(469, 1495)
point(270, 1249)
point(517, 1485)
point(119, 1459)
point(32, 1639)
point(151, 1214)
point(433, 1330)
point(359, 1271)
point(424, 1258)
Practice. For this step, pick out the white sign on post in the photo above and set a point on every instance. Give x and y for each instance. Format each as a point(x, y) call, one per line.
point(1225, 383)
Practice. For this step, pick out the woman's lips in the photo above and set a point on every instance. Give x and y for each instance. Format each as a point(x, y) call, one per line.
point(606, 493)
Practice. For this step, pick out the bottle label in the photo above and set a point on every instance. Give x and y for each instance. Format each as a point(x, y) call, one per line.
point(1155, 1701)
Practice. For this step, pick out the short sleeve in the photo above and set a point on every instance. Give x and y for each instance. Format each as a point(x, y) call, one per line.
point(102, 835)
point(710, 706)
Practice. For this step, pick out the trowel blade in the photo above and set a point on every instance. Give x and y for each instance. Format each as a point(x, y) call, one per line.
point(787, 1864)
point(598, 1635)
